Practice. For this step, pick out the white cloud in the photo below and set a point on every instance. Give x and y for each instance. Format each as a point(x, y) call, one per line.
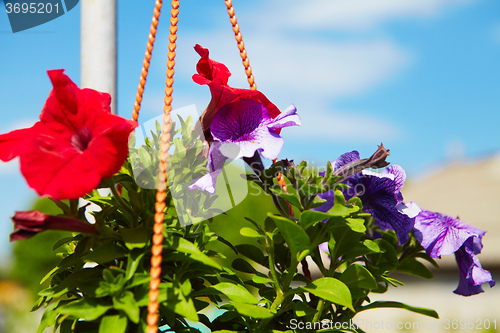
point(361, 14)
point(328, 70)
point(315, 68)
point(344, 125)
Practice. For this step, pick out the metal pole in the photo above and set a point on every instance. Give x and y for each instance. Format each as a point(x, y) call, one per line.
point(98, 47)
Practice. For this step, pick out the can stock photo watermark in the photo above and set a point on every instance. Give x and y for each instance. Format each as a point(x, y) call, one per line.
point(26, 14)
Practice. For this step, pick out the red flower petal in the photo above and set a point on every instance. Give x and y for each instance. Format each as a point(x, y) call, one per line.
point(208, 69)
point(29, 223)
point(12, 143)
point(76, 143)
point(215, 75)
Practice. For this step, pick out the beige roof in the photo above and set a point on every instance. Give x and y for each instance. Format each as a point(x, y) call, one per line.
point(469, 190)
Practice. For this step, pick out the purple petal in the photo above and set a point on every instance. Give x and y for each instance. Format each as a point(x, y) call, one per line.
point(287, 118)
point(247, 124)
point(399, 176)
point(329, 197)
point(441, 235)
point(387, 216)
point(215, 164)
point(411, 209)
point(345, 159)
point(206, 182)
point(323, 247)
point(472, 275)
point(268, 143)
point(236, 121)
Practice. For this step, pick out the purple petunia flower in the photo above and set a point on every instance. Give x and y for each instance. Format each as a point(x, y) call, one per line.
point(472, 275)
point(247, 124)
point(380, 194)
point(239, 130)
point(441, 235)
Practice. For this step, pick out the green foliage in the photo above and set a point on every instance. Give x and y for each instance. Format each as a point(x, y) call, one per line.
point(243, 264)
point(34, 256)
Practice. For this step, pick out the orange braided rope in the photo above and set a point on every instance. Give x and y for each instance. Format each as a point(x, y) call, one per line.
point(157, 247)
point(246, 64)
point(241, 45)
point(146, 61)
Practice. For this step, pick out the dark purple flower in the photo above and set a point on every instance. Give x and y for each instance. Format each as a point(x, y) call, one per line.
point(441, 235)
point(379, 193)
point(239, 130)
point(248, 124)
point(27, 224)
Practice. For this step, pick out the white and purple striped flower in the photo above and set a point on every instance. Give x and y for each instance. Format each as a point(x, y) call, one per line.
point(380, 194)
point(241, 128)
point(441, 235)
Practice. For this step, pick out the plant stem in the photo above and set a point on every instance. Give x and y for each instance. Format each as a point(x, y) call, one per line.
point(121, 202)
point(270, 251)
point(319, 309)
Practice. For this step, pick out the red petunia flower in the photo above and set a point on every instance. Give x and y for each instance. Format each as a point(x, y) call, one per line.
point(215, 75)
point(27, 224)
point(76, 143)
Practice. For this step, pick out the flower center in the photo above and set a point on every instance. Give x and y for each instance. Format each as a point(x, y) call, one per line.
point(81, 139)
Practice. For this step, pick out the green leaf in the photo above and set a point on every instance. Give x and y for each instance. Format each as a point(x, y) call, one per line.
point(158, 127)
point(249, 232)
point(128, 305)
point(49, 317)
point(63, 241)
point(386, 261)
point(261, 279)
point(135, 238)
point(180, 150)
point(428, 258)
point(392, 304)
point(356, 225)
point(372, 246)
point(296, 238)
point(86, 308)
point(331, 290)
point(243, 266)
point(49, 274)
point(228, 243)
point(134, 259)
point(113, 324)
point(301, 309)
point(183, 245)
point(339, 207)
point(181, 305)
point(252, 252)
point(248, 310)
point(105, 253)
point(139, 279)
point(311, 217)
point(291, 195)
point(414, 267)
point(358, 276)
point(234, 292)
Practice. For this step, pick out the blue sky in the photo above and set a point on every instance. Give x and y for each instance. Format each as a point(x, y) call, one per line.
point(421, 76)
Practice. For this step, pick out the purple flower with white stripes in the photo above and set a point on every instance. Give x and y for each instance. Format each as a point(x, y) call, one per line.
point(441, 235)
point(248, 124)
point(379, 193)
point(239, 130)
